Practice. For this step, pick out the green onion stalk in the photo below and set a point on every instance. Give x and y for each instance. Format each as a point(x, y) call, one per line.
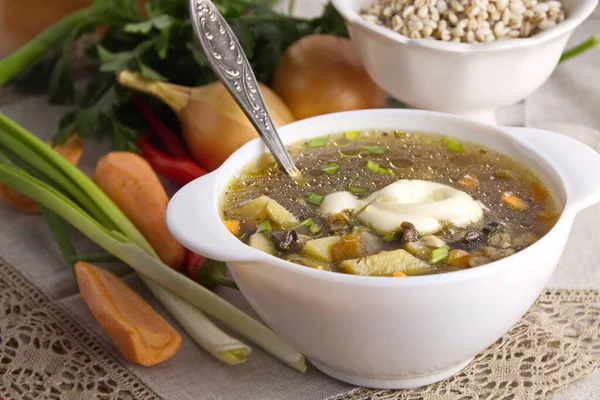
point(34, 169)
point(591, 43)
point(101, 12)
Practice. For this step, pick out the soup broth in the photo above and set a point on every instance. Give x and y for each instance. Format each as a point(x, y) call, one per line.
point(511, 207)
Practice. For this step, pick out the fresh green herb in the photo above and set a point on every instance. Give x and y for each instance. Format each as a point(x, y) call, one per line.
point(264, 226)
point(454, 145)
point(313, 227)
point(392, 236)
point(352, 135)
point(378, 169)
point(315, 199)
point(317, 143)
point(439, 254)
point(331, 168)
point(213, 274)
point(375, 149)
point(393, 103)
point(591, 43)
point(147, 44)
point(356, 190)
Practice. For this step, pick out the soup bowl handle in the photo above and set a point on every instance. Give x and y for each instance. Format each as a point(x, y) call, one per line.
point(578, 164)
point(193, 218)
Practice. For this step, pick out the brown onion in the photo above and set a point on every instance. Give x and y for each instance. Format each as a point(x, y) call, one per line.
point(322, 74)
point(213, 124)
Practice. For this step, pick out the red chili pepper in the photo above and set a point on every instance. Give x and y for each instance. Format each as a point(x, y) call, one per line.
point(192, 263)
point(172, 143)
point(180, 171)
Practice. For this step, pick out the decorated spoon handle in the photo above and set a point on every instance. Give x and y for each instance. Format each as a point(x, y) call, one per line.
point(228, 61)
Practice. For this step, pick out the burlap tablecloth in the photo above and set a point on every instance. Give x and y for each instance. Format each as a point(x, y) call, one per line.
point(51, 347)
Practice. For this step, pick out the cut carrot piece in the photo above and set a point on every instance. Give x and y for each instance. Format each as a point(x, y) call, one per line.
point(458, 258)
point(514, 202)
point(548, 217)
point(538, 193)
point(132, 184)
point(72, 150)
point(397, 274)
point(468, 181)
point(140, 333)
point(233, 226)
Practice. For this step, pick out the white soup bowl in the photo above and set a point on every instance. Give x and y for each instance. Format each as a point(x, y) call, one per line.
point(382, 332)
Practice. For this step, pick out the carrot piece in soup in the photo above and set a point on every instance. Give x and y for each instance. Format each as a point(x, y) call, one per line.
point(515, 203)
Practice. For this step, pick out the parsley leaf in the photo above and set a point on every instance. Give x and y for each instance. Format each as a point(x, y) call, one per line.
point(161, 22)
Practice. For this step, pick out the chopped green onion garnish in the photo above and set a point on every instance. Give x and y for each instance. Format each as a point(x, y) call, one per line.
point(375, 149)
point(306, 222)
point(439, 254)
point(313, 227)
point(373, 166)
point(356, 190)
point(264, 226)
point(316, 143)
point(454, 145)
point(392, 236)
point(331, 168)
point(352, 135)
point(401, 135)
point(315, 199)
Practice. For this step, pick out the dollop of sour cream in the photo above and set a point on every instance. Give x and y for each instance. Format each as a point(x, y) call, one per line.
point(424, 204)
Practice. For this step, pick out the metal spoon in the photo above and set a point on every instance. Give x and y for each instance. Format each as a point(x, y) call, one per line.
point(228, 61)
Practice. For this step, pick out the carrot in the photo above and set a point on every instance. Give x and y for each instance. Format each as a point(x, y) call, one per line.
point(233, 226)
point(397, 274)
point(548, 217)
point(538, 193)
point(140, 333)
point(131, 183)
point(514, 202)
point(468, 181)
point(459, 258)
point(72, 150)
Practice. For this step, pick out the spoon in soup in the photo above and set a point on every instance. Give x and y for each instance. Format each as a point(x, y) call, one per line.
point(229, 62)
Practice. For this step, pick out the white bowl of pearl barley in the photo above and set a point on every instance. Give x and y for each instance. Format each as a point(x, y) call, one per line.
point(464, 57)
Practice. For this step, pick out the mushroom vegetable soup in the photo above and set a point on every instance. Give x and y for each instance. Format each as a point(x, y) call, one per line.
point(389, 203)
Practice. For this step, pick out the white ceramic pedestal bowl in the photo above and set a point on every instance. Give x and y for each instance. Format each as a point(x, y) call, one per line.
point(471, 80)
point(378, 331)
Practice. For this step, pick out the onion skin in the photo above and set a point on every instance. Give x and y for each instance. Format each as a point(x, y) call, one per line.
point(322, 74)
point(213, 125)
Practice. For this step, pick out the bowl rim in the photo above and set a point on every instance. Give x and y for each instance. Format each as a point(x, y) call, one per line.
point(581, 11)
point(500, 266)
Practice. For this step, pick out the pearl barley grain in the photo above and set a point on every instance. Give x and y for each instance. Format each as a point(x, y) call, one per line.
point(467, 21)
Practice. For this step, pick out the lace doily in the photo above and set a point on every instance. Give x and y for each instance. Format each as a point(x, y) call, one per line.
point(557, 342)
point(46, 354)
